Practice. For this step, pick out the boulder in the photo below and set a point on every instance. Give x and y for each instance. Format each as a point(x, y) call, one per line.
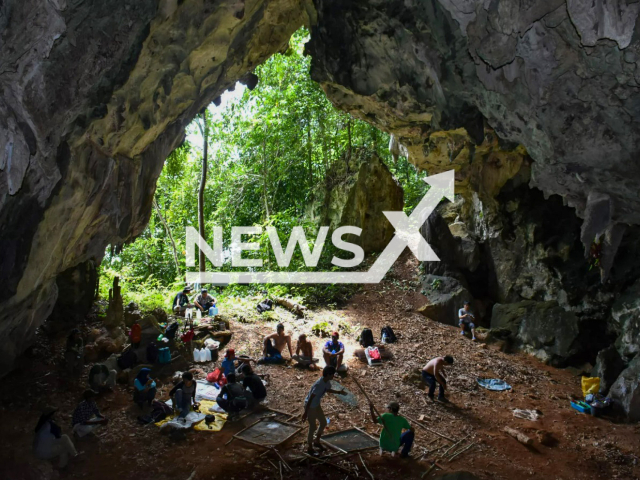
point(159, 314)
point(625, 321)
point(625, 391)
point(609, 365)
point(543, 329)
point(357, 193)
point(446, 296)
point(131, 316)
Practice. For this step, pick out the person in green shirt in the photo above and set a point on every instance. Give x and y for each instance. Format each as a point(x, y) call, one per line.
point(391, 437)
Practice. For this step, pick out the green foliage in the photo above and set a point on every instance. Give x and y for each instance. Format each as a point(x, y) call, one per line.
point(436, 284)
point(269, 148)
point(321, 329)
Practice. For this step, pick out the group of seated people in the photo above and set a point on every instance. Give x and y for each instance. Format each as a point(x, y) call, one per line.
point(50, 443)
point(203, 302)
point(332, 351)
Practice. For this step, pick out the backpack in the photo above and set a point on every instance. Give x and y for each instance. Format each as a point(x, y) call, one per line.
point(152, 353)
point(387, 335)
point(127, 360)
point(217, 377)
point(159, 405)
point(265, 305)
point(164, 355)
point(171, 331)
point(366, 338)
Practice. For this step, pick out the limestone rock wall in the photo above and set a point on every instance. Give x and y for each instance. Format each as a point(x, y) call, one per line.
point(95, 95)
point(358, 197)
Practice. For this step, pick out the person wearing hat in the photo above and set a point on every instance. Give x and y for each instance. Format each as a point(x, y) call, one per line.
point(49, 442)
point(181, 301)
point(232, 364)
point(392, 436)
point(205, 302)
point(333, 351)
point(86, 417)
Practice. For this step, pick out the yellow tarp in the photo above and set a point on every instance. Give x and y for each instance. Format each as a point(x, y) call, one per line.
point(590, 385)
point(221, 418)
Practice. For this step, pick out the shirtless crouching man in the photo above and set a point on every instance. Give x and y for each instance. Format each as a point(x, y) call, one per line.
point(304, 353)
point(433, 373)
point(274, 345)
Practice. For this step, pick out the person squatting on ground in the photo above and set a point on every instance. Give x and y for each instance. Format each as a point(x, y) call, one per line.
point(101, 379)
point(183, 395)
point(181, 302)
point(304, 353)
point(49, 442)
point(232, 398)
point(466, 319)
point(433, 373)
point(392, 436)
point(205, 302)
point(274, 345)
point(86, 417)
point(257, 392)
point(144, 388)
point(333, 351)
point(313, 409)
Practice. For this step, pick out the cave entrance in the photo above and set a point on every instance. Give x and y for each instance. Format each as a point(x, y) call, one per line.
point(272, 154)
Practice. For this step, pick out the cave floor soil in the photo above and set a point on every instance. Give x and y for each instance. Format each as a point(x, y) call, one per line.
point(582, 446)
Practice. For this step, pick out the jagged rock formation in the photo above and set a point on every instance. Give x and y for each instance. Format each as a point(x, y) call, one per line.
point(356, 193)
point(97, 93)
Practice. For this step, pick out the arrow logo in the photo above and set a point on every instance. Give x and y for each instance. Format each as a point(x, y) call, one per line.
point(407, 235)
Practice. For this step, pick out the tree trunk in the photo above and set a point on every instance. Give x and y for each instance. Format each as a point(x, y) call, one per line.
point(203, 183)
point(166, 227)
point(349, 144)
point(310, 153)
point(265, 187)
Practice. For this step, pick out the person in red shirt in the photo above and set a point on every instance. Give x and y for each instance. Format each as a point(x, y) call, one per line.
point(135, 334)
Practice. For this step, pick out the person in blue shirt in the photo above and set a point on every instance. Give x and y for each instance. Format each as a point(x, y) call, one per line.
point(144, 388)
point(333, 351)
point(466, 317)
point(232, 364)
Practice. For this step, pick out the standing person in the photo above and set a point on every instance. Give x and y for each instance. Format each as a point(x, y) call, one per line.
point(391, 436)
point(433, 373)
point(232, 398)
point(135, 334)
point(101, 379)
point(254, 384)
point(144, 388)
point(205, 302)
point(49, 442)
point(183, 395)
point(181, 301)
point(274, 345)
point(86, 417)
point(333, 351)
point(74, 353)
point(313, 409)
point(466, 317)
point(304, 353)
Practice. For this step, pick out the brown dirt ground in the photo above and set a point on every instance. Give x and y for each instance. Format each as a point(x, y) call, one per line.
point(586, 447)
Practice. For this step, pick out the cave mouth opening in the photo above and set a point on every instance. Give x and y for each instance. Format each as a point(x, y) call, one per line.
point(278, 153)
